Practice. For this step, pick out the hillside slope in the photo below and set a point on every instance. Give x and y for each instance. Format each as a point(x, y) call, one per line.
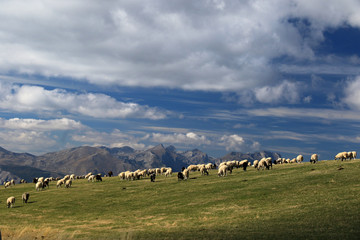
point(301, 201)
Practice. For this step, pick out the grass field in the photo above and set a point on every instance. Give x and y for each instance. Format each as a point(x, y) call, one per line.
point(293, 201)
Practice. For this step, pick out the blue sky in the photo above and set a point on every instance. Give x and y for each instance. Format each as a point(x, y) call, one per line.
point(215, 75)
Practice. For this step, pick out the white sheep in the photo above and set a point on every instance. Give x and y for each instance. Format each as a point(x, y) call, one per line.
point(341, 155)
point(204, 171)
point(168, 172)
point(192, 167)
point(122, 175)
point(10, 202)
point(68, 183)
point(354, 154)
point(39, 186)
point(314, 158)
point(90, 178)
point(88, 175)
point(186, 173)
point(299, 158)
point(7, 184)
point(222, 170)
point(255, 163)
point(60, 182)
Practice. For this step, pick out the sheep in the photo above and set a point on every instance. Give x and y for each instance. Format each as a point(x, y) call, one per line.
point(186, 173)
point(7, 184)
point(180, 176)
point(152, 177)
point(299, 158)
point(10, 202)
point(110, 174)
point(25, 197)
point(210, 166)
point(88, 175)
point(90, 178)
point(354, 154)
point(244, 164)
point(263, 164)
point(293, 160)
point(204, 171)
point(192, 168)
point(98, 177)
point(314, 158)
point(168, 172)
point(222, 171)
point(255, 163)
point(68, 183)
point(341, 155)
point(59, 183)
point(72, 177)
point(39, 185)
point(23, 181)
point(41, 179)
point(122, 176)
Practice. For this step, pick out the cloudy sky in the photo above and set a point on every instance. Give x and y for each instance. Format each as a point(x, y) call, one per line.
point(215, 75)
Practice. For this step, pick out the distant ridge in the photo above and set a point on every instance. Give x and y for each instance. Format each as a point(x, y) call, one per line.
point(84, 159)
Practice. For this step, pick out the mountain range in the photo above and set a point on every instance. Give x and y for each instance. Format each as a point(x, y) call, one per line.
point(84, 159)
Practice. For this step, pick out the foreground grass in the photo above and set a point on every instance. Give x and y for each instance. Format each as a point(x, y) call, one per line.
point(299, 201)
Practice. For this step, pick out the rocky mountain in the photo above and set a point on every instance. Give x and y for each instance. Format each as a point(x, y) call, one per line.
point(84, 159)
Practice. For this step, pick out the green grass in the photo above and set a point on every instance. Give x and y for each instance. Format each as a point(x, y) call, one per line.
point(298, 201)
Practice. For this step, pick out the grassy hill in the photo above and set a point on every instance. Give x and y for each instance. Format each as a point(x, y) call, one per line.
point(294, 201)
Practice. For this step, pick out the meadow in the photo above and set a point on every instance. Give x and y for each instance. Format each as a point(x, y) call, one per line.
point(291, 201)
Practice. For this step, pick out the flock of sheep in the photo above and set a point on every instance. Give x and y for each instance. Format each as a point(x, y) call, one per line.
point(223, 169)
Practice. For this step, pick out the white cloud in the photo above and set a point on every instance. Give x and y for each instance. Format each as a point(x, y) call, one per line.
point(306, 113)
point(189, 138)
point(352, 94)
point(195, 45)
point(39, 124)
point(287, 91)
point(28, 98)
point(235, 142)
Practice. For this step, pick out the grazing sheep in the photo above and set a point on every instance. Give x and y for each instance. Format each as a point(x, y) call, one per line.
point(204, 171)
point(354, 154)
point(90, 178)
point(180, 176)
point(7, 184)
point(186, 173)
point(300, 158)
point(342, 156)
point(25, 197)
point(314, 158)
point(168, 172)
point(59, 183)
point(122, 176)
point(222, 171)
point(98, 177)
point(10, 202)
point(293, 160)
point(210, 166)
point(68, 183)
point(88, 175)
point(192, 167)
point(38, 186)
point(110, 174)
point(263, 163)
point(23, 181)
point(152, 177)
point(255, 163)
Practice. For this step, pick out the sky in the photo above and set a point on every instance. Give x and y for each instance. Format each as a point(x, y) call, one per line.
point(219, 76)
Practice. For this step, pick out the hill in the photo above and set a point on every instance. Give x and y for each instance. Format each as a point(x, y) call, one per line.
point(300, 201)
point(84, 159)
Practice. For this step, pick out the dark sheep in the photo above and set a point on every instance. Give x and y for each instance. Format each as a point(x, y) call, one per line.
point(25, 197)
point(110, 174)
point(152, 177)
point(98, 178)
point(180, 176)
point(182, 169)
point(35, 180)
point(245, 166)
